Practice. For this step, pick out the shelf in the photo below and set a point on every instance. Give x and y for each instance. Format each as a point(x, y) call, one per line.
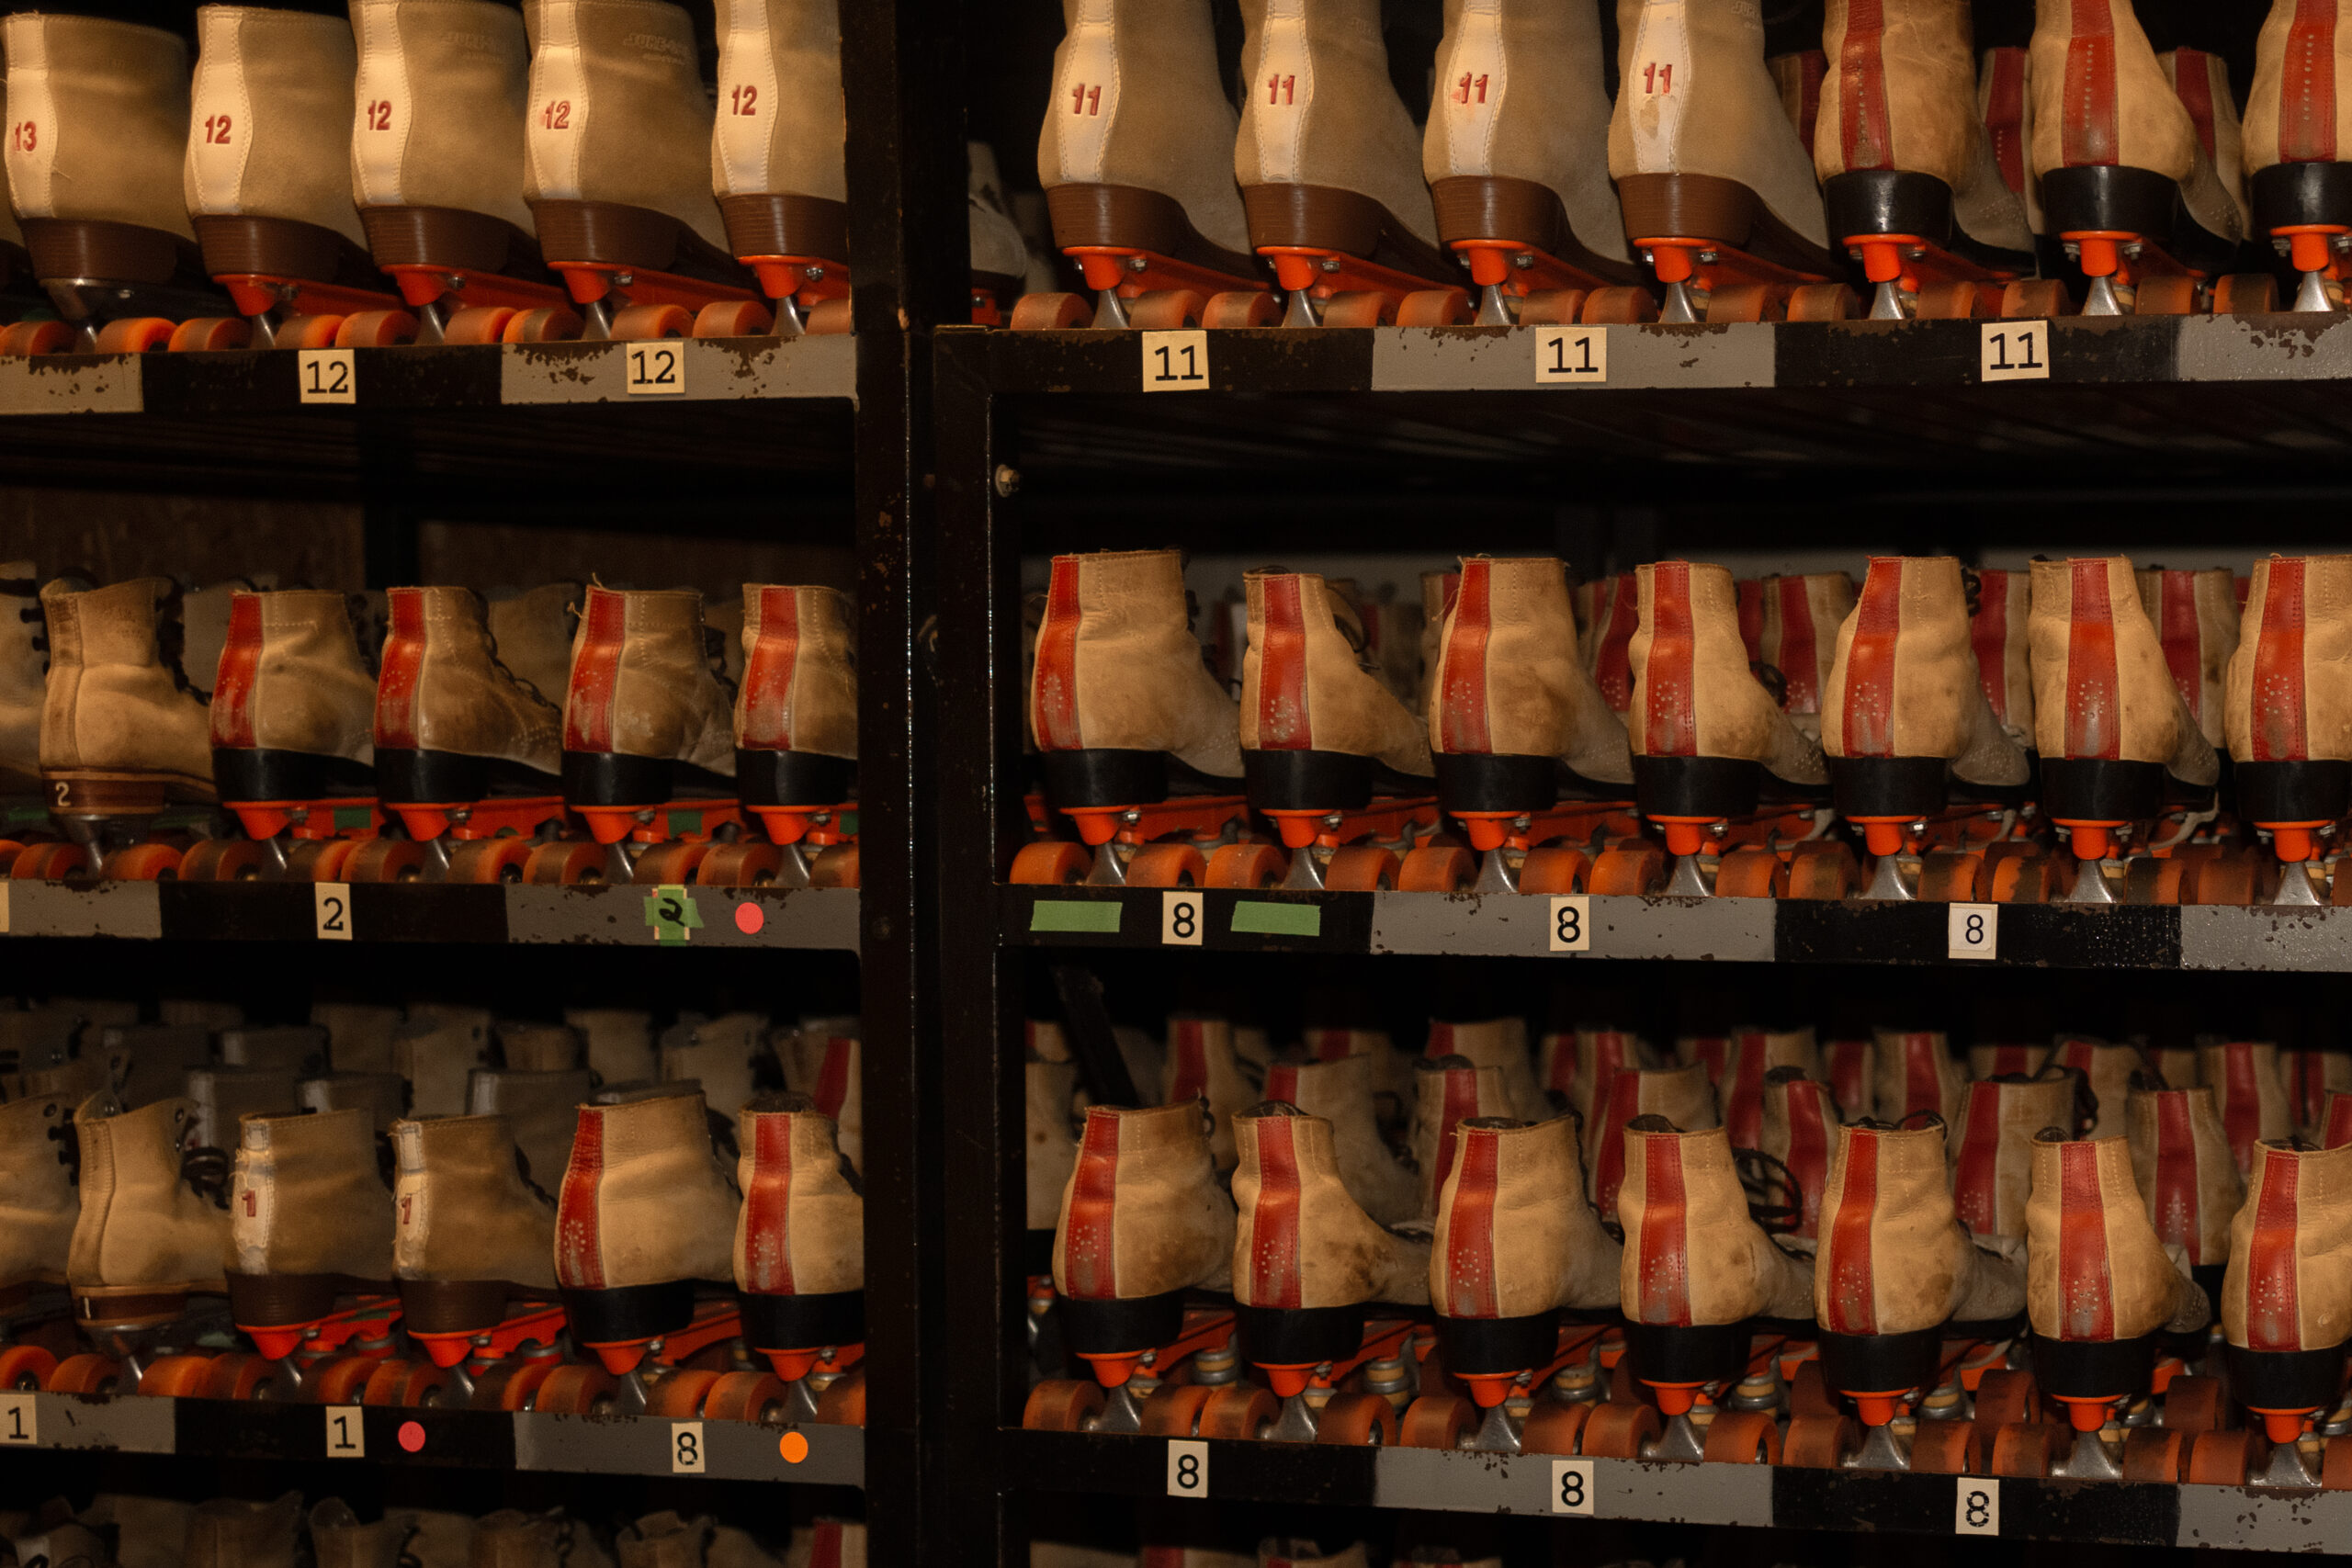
point(475, 1440)
point(410, 912)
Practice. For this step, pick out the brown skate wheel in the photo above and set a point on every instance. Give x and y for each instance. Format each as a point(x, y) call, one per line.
point(478, 323)
point(2033, 298)
point(1747, 302)
point(1167, 865)
point(565, 863)
point(1619, 307)
point(85, 1373)
point(1242, 308)
point(238, 1375)
point(1239, 1410)
point(1743, 1437)
point(511, 1385)
point(144, 863)
point(1553, 1427)
point(844, 1402)
point(1247, 865)
point(1556, 868)
point(1809, 1391)
point(223, 860)
point(136, 334)
point(36, 337)
point(1360, 868)
point(2339, 893)
point(1165, 310)
point(744, 1397)
point(748, 864)
point(2194, 1403)
point(1552, 306)
point(1955, 302)
point(1822, 303)
point(2007, 1397)
point(1433, 308)
point(2335, 1466)
point(1050, 312)
point(1948, 1447)
point(26, 1367)
point(2232, 879)
point(1820, 1442)
point(648, 323)
point(488, 860)
point(375, 329)
point(572, 1389)
point(1622, 1389)
point(1617, 1429)
point(733, 318)
point(340, 1381)
point(828, 317)
point(211, 334)
point(1630, 865)
point(397, 1381)
point(1823, 868)
point(1360, 308)
point(2022, 873)
point(1948, 876)
point(551, 324)
point(1052, 862)
point(2245, 294)
point(835, 866)
point(383, 860)
point(669, 865)
point(1751, 874)
point(2156, 1453)
point(177, 1377)
point(2024, 1451)
point(681, 1393)
point(1357, 1420)
point(2225, 1459)
point(1437, 868)
point(323, 860)
point(1437, 1421)
point(1173, 1410)
point(1062, 1405)
point(2175, 294)
point(307, 332)
point(53, 861)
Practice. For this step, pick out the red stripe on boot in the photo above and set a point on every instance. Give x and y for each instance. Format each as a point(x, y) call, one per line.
point(767, 673)
point(2307, 86)
point(2177, 633)
point(2005, 115)
point(1664, 1275)
point(2241, 1102)
point(1282, 721)
point(2094, 703)
point(1624, 1104)
point(767, 1208)
point(1798, 655)
point(1053, 683)
point(1670, 724)
point(232, 690)
point(1192, 1080)
point(1461, 688)
point(1460, 1104)
point(2281, 732)
point(1612, 665)
point(1976, 1172)
point(1808, 1156)
point(398, 668)
point(1988, 631)
point(2192, 71)
point(2335, 1124)
point(1470, 1229)
point(833, 1079)
point(1869, 715)
point(595, 672)
point(2274, 1319)
point(1743, 1099)
point(1090, 1270)
point(1275, 1270)
point(2086, 1284)
point(2175, 1195)
point(2087, 122)
point(1865, 140)
point(1852, 1305)
point(579, 1245)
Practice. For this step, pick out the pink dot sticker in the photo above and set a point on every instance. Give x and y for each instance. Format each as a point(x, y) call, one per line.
point(750, 917)
point(412, 1436)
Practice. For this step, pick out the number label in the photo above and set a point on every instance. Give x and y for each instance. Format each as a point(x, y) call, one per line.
point(1572, 1486)
point(24, 136)
point(1187, 1469)
point(1571, 928)
point(1180, 919)
point(656, 369)
point(19, 1420)
point(1976, 1508)
point(556, 115)
point(1176, 362)
point(1571, 357)
point(686, 1453)
point(1281, 89)
point(1973, 931)
point(347, 1438)
point(216, 130)
point(332, 903)
point(379, 114)
point(1658, 77)
point(327, 376)
point(2014, 350)
point(745, 96)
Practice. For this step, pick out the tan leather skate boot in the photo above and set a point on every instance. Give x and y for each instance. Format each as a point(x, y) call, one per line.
point(512, 1538)
point(1799, 1124)
point(1751, 1056)
point(2005, 106)
point(1388, 1069)
point(38, 1200)
point(727, 1056)
point(2196, 617)
point(293, 700)
point(643, 1213)
point(120, 734)
point(645, 718)
point(1990, 1148)
point(531, 631)
point(153, 1228)
point(427, 1539)
point(24, 661)
point(474, 1236)
point(2288, 729)
point(1339, 1092)
point(1735, 179)
point(1520, 105)
point(800, 1239)
point(1326, 164)
point(1679, 1095)
point(225, 1096)
point(2286, 1309)
point(542, 1111)
point(2294, 129)
point(383, 1097)
point(2248, 1094)
point(204, 626)
point(436, 1050)
point(1903, 158)
point(822, 1061)
point(1514, 717)
point(2311, 1078)
point(1797, 635)
point(1609, 639)
point(359, 1034)
point(1448, 1091)
point(1202, 1067)
point(1500, 1043)
point(310, 1220)
point(149, 1532)
point(620, 1042)
point(1914, 1071)
point(2117, 152)
point(2108, 1070)
point(776, 155)
point(1577, 1067)
point(1999, 617)
point(230, 1533)
point(795, 721)
point(1051, 1088)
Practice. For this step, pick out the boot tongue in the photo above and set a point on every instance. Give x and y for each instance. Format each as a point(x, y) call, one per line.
point(1651, 1122)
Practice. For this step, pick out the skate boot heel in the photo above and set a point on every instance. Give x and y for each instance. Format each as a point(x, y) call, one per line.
point(2116, 223)
point(467, 278)
point(597, 247)
point(1147, 267)
point(2298, 803)
point(302, 286)
point(1694, 800)
point(1698, 232)
point(798, 246)
point(1342, 262)
point(1898, 225)
point(2306, 209)
point(1511, 235)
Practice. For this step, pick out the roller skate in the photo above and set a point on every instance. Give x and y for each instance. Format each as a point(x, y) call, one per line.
point(1324, 157)
point(1514, 719)
point(36, 1220)
point(1338, 1091)
point(1143, 1222)
point(777, 156)
point(2249, 1095)
point(1913, 1072)
point(821, 1060)
point(1202, 1065)
point(1448, 1091)
point(1990, 1149)
point(2280, 731)
point(729, 1058)
point(2312, 1078)
point(1729, 219)
point(795, 742)
point(1697, 1272)
point(1908, 729)
point(1517, 1242)
point(1579, 1064)
point(800, 1269)
point(225, 1096)
point(618, 1041)
point(1517, 110)
point(1798, 1125)
point(1679, 1095)
point(2117, 745)
point(1499, 1043)
point(2293, 127)
point(436, 1050)
point(1320, 736)
point(1708, 739)
point(1123, 709)
point(1913, 192)
point(1751, 1056)
point(2132, 184)
point(541, 1108)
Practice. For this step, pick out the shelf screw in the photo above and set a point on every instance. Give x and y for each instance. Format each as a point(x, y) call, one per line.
point(1008, 479)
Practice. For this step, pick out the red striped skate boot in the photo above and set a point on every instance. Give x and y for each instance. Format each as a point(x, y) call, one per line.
point(2180, 1157)
point(1202, 1067)
point(1606, 638)
point(2005, 106)
point(1991, 1148)
point(1449, 1090)
point(2296, 139)
point(2196, 617)
point(1851, 1071)
point(2287, 1304)
point(1914, 1073)
point(2000, 616)
point(2312, 1079)
point(1796, 635)
point(1736, 1066)
point(2108, 1070)
point(1799, 1124)
point(2015, 1061)
point(799, 1258)
point(2286, 734)
point(1339, 1092)
point(1574, 1063)
point(2249, 1093)
point(796, 736)
point(1498, 1042)
point(1679, 1095)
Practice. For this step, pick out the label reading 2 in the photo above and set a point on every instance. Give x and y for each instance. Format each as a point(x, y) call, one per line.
point(1180, 918)
point(345, 1437)
point(327, 376)
point(332, 902)
point(2014, 350)
point(1176, 362)
point(1976, 1508)
point(1187, 1469)
point(657, 370)
point(1571, 357)
point(1572, 1486)
point(1571, 922)
point(1973, 931)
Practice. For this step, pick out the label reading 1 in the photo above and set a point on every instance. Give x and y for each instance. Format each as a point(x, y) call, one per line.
point(1572, 1486)
point(333, 903)
point(345, 1437)
point(2014, 350)
point(1976, 1508)
point(656, 369)
point(1571, 923)
point(1973, 931)
point(1176, 362)
point(1187, 1469)
point(20, 1423)
point(327, 375)
point(1180, 919)
point(686, 1455)
point(1571, 357)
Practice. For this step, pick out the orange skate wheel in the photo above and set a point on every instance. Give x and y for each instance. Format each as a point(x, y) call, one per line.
point(1050, 312)
point(1809, 1393)
point(1437, 868)
point(645, 324)
point(210, 334)
point(2235, 879)
point(564, 864)
point(36, 337)
point(1554, 869)
point(1820, 1442)
point(488, 860)
point(2339, 893)
point(2175, 294)
point(52, 861)
point(1955, 302)
point(1360, 308)
point(2023, 875)
point(1617, 1429)
point(681, 1393)
point(26, 1367)
point(1747, 302)
point(1743, 1437)
point(844, 1402)
point(1247, 865)
point(1356, 1420)
point(1552, 306)
point(2224, 1459)
point(403, 1383)
point(2245, 294)
point(1948, 1447)
point(307, 332)
point(478, 323)
point(1239, 1410)
point(177, 1377)
point(2024, 1451)
point(1167, 865)
point(2147, 880)
point(1630, 865)
point(835, 866)
point(1165, 310)
point(144, 863)
point(1242, 308)
point(669, 865)
point(375, 329)
point(733, 318)
point(383, 860)
point(1822, 303)
point(573, 1389)
point(241, 1376)
point(2036, 297)
point(552, 324)
point(744, 1397)
point(1360, 868)
point(1823, 868)
point(1948, 876)
point(745, 864)
point(1052, 862)
point(1062, 1405)
point(1433, 308)
point(1437, 1421)
point(136, 334)
point(322, 859)
point(2007, 1397)
point(1173, 1410)
point(1751, 873)
point(1553, 1427)
point(85, 1373)
point(223, 860)
point(510, 1385)
point(2156, 1453)
point(340, 1381)
point(828, 317)
point(2194, 1403)
point(1619, 307)
point(2335, 1468)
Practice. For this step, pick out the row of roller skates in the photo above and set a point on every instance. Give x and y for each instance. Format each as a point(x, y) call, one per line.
point(695, 743)
point(440, 1209)
point(2079, 732)
point(1172, 1541)
point(486, 174)
point(1899, 159)
point(2083, 1260)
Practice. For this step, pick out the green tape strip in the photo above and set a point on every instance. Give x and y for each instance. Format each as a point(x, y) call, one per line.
point(1076, 915)
point(1278, 919)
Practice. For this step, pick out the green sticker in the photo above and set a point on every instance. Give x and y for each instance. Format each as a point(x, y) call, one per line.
point(354, 816)
point(1076, 915)
point(672, 912)
point(1278, 919)
point(683, 824)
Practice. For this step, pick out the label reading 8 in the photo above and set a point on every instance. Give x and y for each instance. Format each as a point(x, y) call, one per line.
point(332, 902)
point(1571, 928)
point(1976, 1508)
point(1187, 1469)
point(1973, 931)
point(1571, 357)
point(686, 1455)
point(1176, 362)
point(327, 376)
point(20, 1424)
point(1572, 1486)
point(1180, 919)
point(656, 369)
point(2014, 350)
point(345, 1437)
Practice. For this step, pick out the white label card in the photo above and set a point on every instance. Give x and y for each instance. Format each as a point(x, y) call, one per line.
point(1571, 357)
point(656, 369)
point(332, 905)
point(1572, 1486)
point(2014, 350)
point(1976, 1508)
point(1973, 931)
point(1571, 928)
point(1187, 1469)
point(327, 375)
point(19, 1420)
point(345, 1437)
point(1180, 918)
point(1176, 362)
point(687, 1454)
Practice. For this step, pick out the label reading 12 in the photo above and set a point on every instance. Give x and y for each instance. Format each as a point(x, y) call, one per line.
point(2014, 350)
point(1187, 1469)
point(1571, 357)
point(1180, 919)
point(1176, 362)
point(327, 376)
point(656, 369)
point(1976, 1508)
point(332, 902)
point(1973, 931)
point(345, 1437)
point(1571, 922)
point(1572, 1486)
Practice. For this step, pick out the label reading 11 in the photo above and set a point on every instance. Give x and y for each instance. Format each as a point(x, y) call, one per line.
point(656, 370)
point(2014, 350)
point(1571, 357)
point(327, 376)
point(1176, 362)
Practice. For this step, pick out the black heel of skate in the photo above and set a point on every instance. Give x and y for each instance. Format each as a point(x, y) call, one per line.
point(792, 778)
point(1882, 1363)
point(1300, 1337)
point(1710, 789)
point(1121, 1327)
point(1103, 778)
point(795, 1323)
point(2110, 198)
point(1490, 782)
point(1495, 1347)
point(1307, 781)
point(240, 774)
point(2087, 1369)
point(1887, 787)
point(629, 1315)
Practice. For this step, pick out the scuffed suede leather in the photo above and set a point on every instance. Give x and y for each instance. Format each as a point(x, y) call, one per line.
point(2289, 1286)
point(639, 133)
point(111, 706)
point(2152, 126)
point(1508, 682)
point(1915, 61)
point(799, 690)
point(801, 1230)
point(307, 1196)
point(791, 141)
point(1531, 1242)
point(1895, 1257)
point(283, 81)
point(2287, 694)
point(1933, 703)
point(655, 1205)
point(531, 634)
point(2154, 726)
point(1338, 121)
point(38, 1199)
point(1729, 713)
point(2095, 1269)
point(308, 689)
point(445, 689)
point(1317, 1248)
point(1119, 669)
point(542, 1110)
point(2313, 40)
point(462, 1207)
point(2215, 192)
point(1170, 1223)
point(1498, 1042)
point(140, 1224)
point(666, 701)
point(1694, 1257)
point(1339, 1092)
point(111, 100)
point(2196, 617)
point(1204, 1065)
point(1448, 1091)
point(455, 74)
point(1344, 705)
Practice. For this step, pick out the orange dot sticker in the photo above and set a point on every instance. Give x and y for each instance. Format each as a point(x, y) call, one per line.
point(793, 1447)
point(750, 917)
point(412, 1436)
